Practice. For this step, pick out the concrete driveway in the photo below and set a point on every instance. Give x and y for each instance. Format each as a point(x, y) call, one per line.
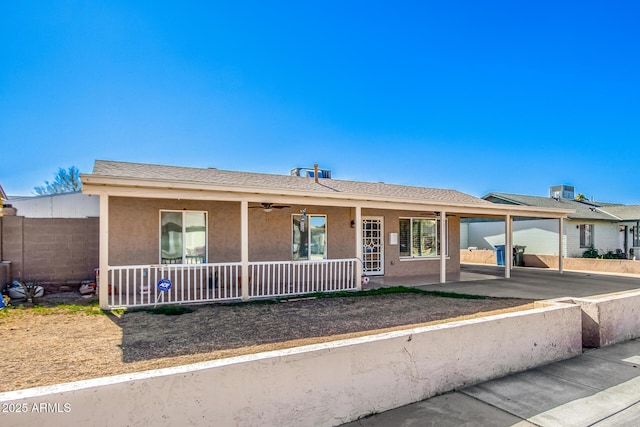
point(599, 388)
point(532, 283)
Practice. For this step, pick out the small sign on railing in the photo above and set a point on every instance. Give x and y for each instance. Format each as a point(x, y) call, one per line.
point(164, 285)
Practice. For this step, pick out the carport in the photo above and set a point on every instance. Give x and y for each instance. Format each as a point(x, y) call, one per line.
point(508, 215)
point(533, 283)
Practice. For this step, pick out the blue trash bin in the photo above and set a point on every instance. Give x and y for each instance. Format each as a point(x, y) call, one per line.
point(499, 254)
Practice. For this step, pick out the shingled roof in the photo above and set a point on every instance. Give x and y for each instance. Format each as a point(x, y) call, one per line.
point(587, 210)
point(231, 179)
point(624, 212)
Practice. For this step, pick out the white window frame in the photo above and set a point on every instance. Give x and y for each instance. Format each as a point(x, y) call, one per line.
point(438, 239)
point(583, 236)
point(308, 231)
point(185, 257)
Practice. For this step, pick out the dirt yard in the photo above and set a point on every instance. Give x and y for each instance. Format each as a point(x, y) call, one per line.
point(42, 346)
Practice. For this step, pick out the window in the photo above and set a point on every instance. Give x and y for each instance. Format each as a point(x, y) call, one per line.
point(420, 238)
point(183, 237)
point(586, 235)
point(309, 237)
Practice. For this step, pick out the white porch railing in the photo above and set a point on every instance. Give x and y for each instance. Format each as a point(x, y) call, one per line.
point(137, 285)
point(282, 278)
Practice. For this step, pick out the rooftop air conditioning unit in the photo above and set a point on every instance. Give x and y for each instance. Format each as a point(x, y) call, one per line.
point(562, 192)
point(309, 172)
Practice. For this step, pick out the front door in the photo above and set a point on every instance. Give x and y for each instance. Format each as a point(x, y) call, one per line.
point(372, 246)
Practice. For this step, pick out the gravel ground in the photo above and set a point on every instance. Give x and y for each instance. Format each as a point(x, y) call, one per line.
point(42, 347)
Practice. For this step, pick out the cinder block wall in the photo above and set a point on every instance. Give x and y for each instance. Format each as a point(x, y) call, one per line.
point(54, 251)
point(12, 249)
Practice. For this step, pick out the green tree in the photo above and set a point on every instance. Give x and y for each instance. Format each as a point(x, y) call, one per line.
point(65, 181)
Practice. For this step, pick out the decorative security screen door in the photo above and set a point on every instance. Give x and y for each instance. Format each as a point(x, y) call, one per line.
point(372, 246)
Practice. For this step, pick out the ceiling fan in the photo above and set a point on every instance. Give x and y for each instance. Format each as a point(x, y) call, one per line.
point(267, 207)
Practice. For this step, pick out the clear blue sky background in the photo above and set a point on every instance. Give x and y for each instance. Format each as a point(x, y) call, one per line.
point(478, 96)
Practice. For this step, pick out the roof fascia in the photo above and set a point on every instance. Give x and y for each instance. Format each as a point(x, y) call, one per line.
point(198, 191)
point(608, 213)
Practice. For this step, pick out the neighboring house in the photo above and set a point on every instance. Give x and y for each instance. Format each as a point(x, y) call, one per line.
point(3, 198)
point(61, 205)
point(179, 234)
point(52, 239)
point(605, 227)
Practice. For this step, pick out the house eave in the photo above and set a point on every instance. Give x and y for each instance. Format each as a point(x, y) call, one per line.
point(159, 188)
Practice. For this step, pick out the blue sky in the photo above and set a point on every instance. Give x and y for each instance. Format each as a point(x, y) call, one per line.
point(478, 96)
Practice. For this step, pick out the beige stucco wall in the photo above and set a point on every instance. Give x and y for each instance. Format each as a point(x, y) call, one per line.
point(134, 233)
point(394, 266)
point(134, 229)
point(270, 237)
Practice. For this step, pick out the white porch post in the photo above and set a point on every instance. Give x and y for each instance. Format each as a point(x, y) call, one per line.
point(443, 247)
point(508, 246)
point(103, 291)
point(560, 244)
point(244, 245)
point(358, 272)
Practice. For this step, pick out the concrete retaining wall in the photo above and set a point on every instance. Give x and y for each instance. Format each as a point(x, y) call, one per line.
point(322, 385)
point(610, 319)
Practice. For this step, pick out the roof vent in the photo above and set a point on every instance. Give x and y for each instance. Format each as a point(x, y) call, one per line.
point(562, 192)
point(310, 172)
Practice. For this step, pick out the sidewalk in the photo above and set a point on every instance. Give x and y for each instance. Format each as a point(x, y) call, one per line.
point(599, 388)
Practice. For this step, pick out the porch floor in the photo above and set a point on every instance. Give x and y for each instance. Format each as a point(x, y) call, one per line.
point(468, 272)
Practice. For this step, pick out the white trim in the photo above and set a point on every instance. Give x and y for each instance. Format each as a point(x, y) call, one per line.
point(358, 220)
point(382, 245)
point(444, 245)
point(184, 233)
point(308, 230)
point(103, 290)
point(508, 246)
point(438, 254)
point(560, 245)
point(416, 259)
point(582, 235)
point(244, 251)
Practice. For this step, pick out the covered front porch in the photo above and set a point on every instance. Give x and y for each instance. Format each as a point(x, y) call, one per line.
point(154, 284)
point(241, 258)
